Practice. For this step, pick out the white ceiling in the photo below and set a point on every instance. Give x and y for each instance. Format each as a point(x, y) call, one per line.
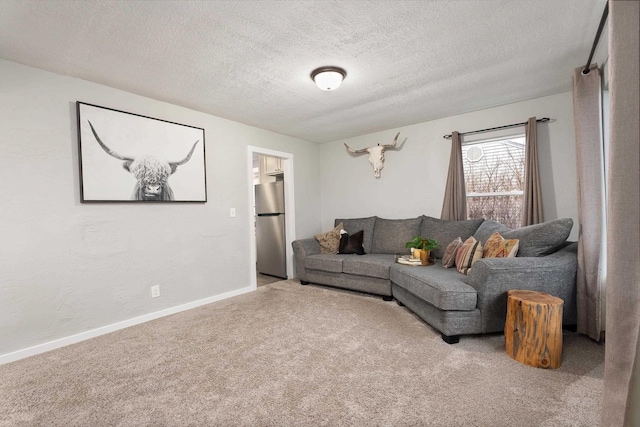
point(249, 61)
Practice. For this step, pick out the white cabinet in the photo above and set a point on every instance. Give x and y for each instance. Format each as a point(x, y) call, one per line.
point(273, 166)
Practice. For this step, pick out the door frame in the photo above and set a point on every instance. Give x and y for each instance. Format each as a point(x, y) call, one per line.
point(289, 208)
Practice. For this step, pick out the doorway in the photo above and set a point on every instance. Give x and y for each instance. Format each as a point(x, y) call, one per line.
point(266, 165)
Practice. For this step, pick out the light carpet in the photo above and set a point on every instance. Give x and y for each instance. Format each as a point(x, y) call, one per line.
point(292, 355)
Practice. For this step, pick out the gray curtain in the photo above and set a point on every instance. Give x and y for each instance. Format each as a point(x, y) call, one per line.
point(454, 206)
point(587, 118)
point(621, 381)
point(532, 197)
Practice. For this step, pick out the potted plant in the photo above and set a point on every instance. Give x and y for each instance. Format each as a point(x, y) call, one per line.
point(422, 247)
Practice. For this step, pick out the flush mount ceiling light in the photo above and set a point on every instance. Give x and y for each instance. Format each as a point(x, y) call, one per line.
point(328, 78)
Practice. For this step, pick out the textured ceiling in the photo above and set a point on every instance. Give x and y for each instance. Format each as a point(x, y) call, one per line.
point(249, 61)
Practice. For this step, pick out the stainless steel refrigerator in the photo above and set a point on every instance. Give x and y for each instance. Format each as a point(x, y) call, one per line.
point(270, 236)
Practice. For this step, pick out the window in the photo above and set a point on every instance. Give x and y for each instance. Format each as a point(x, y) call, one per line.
point(494, 179)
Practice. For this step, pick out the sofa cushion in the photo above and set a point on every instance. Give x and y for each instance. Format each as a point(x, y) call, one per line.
point(440, 287)
point(329, 241)
point(445, 231)
point(351, 243)
point(535, 240)
point(331, 263)
point(489, 227)
point(370, 265)
point(391, 235)
point(353, 225)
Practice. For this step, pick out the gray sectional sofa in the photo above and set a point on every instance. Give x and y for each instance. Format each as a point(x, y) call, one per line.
point(453, 303)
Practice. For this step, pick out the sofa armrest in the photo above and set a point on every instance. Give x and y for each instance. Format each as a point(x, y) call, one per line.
point(554, 274)
point(301, 249)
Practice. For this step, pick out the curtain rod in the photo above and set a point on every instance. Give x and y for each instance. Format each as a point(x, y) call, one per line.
point(597, 39)
point(542, 120)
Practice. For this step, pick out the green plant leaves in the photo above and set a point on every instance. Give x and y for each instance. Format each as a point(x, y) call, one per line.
point(424, 243)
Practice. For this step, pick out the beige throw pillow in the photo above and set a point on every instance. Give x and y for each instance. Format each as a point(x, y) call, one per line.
point(329, 241)
point(497, 246)
point(468, 253)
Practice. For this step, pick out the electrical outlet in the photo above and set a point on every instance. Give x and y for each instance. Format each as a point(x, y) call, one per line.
point(232, 212)
point(155, 291)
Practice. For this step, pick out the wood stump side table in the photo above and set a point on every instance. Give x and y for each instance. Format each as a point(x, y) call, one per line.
point(533, 329)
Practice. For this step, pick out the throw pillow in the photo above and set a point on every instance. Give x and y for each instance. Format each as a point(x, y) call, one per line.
point(351, 243)
point(352, 225)
point(449, 257)
point(329, 241)
point(468, 254)
point(499, 247)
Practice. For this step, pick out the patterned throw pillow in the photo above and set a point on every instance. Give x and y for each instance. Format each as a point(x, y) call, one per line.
point(329, 241)
point(468, 253)
point(499, 247)
point(449, 257)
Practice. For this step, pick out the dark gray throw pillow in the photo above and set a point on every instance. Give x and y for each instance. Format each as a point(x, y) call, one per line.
point(535, 240)
point(351, 243)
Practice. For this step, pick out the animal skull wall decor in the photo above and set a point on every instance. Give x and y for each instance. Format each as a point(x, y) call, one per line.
point(376, 154)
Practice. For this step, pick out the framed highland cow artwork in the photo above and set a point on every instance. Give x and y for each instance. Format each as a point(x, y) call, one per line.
point(126, 157)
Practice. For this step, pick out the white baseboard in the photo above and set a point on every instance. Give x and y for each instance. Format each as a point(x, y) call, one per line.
point(52, 345)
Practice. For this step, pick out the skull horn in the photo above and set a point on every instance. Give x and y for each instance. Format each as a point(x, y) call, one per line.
point(395, 141)
point(364, 150)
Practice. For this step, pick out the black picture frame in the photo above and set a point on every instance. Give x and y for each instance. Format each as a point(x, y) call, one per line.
point(128, 157)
